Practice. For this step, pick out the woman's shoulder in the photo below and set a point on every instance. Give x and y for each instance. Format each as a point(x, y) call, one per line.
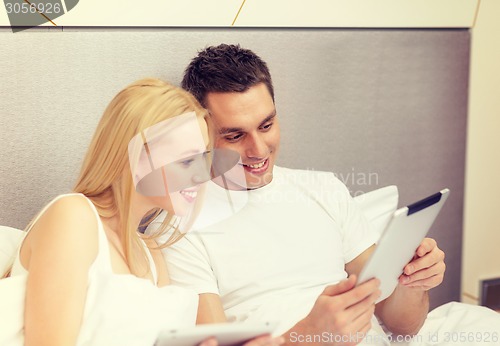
point(69, 209)
point(71, 201)
point(68, 223)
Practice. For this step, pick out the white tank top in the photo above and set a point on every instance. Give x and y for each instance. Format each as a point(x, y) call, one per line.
point(120, 309)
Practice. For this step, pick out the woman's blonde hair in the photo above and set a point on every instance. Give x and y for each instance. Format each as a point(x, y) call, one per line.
point(105, 176)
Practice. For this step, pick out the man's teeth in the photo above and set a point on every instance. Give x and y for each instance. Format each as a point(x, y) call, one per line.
point(259, 165)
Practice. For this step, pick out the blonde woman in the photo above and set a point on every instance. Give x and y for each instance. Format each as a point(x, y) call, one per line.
point(83, 274)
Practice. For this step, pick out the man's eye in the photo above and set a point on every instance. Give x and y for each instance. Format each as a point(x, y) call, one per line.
point(233, 138)
point(267, 126)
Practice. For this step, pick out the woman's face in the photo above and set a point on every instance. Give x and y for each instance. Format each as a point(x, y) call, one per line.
point(173, 165)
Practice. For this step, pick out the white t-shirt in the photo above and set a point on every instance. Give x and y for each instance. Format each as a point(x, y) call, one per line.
point(273, 257)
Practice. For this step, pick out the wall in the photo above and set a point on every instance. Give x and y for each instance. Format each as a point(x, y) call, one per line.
point(481, 253)
point(377, 107)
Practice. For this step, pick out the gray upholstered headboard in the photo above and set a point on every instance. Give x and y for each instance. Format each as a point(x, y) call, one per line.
point(377, 107)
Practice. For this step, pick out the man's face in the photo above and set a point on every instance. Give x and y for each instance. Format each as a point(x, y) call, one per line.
point(246, 122)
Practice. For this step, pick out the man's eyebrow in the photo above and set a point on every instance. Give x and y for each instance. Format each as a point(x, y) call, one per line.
point(227, 130)
point(268, 118)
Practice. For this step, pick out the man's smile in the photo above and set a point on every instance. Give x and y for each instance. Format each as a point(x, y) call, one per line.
point(257, 168)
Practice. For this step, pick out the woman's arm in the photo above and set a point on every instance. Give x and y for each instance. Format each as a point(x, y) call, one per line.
point(210, 309)
point(58, 253)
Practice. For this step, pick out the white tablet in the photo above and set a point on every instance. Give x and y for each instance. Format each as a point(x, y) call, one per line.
point(402, 236)
point(227, 334)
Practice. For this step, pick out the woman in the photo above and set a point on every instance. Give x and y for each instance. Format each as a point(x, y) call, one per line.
point(83, 274)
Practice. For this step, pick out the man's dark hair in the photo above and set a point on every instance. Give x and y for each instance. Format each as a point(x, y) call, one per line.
point(225, 68)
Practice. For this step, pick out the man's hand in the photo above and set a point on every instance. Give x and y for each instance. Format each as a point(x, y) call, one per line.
point(405, 311)
point(342, 311)
point(264, 340)
point(427, 268)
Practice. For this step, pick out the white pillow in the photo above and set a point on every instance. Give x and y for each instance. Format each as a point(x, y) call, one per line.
point(378, 206)
point(10, 239)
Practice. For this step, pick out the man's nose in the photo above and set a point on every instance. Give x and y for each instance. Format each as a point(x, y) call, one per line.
point(257, 147)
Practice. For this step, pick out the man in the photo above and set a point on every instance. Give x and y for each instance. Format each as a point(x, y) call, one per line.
point(286, 254)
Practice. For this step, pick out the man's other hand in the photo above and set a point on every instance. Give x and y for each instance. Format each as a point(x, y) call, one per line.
point(427, 268)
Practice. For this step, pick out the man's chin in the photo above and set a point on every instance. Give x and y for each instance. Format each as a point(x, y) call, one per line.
point(254, 182)
point(246, 182)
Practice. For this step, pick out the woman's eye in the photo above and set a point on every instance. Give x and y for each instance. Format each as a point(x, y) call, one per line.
point(187, 163)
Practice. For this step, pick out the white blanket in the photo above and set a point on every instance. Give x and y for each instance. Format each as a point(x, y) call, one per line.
point(459, 324)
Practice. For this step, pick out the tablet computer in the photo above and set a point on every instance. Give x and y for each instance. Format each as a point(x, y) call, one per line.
point(404, 233)
point(227, 334)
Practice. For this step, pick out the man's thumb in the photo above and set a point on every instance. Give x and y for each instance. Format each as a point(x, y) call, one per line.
point(341, 287)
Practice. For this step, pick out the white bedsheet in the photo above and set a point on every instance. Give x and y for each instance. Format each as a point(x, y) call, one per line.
point(460, 324)
point(450, 324)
